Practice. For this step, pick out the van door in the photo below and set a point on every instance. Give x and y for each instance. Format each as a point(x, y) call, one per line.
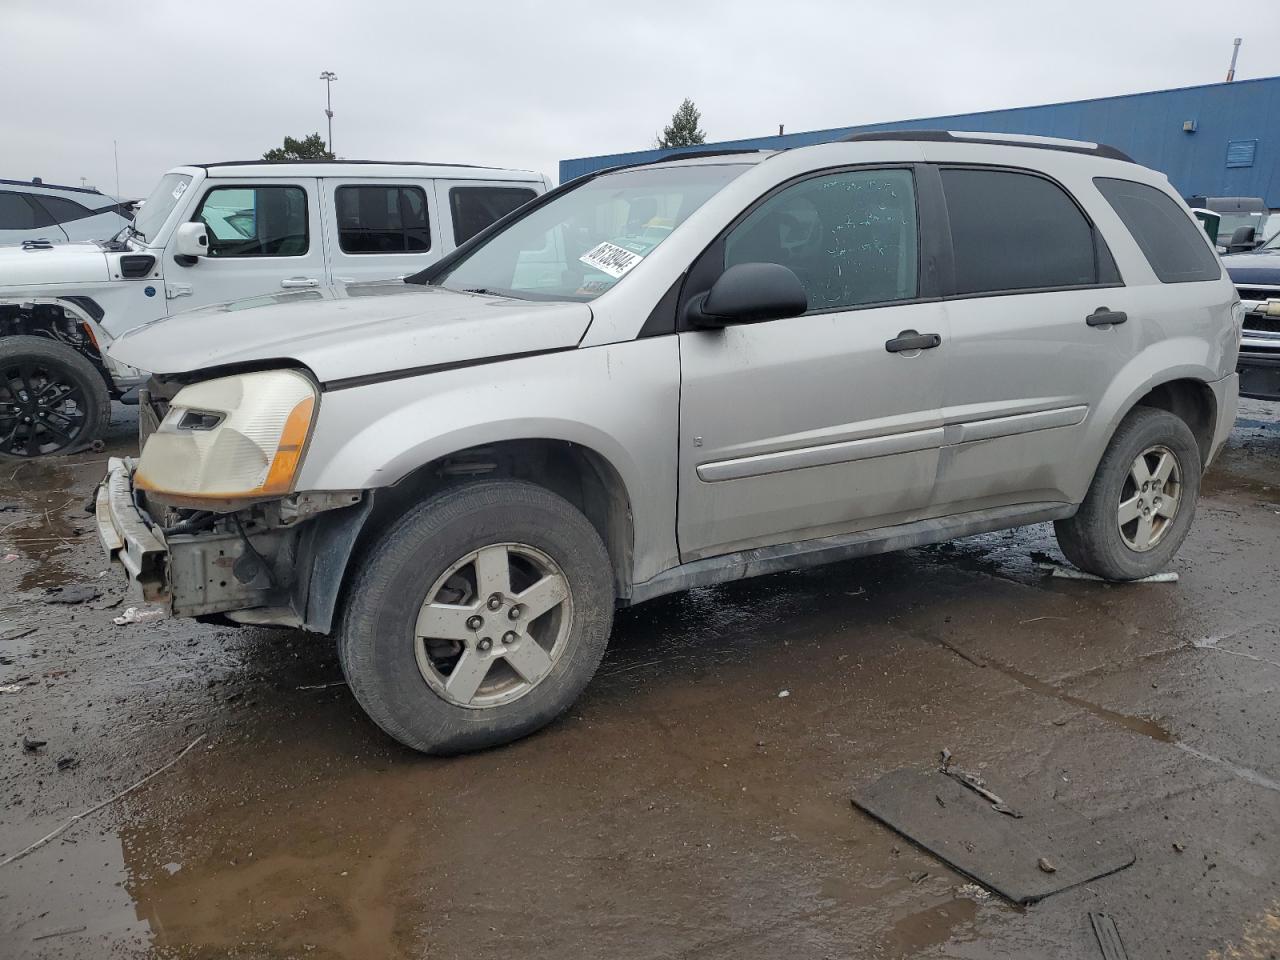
point(1026, 367)
point(264, 237)
point(472, 205)
point(379, 229)
point(828, 422)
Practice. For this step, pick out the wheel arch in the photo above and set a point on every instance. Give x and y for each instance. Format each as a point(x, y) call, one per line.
point(1184, 391)
point(81, 310)
point(580, 474)
point(1190, 400)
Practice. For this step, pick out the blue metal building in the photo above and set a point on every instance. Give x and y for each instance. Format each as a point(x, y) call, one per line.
point(1220, 139)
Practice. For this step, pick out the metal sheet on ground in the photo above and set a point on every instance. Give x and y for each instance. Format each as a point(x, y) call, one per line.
point(1002, 853)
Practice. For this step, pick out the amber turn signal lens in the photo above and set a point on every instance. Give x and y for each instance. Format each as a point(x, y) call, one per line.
point(289, 453)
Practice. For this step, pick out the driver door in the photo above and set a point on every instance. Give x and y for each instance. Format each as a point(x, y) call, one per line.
point(815, 425)
point(263, 238)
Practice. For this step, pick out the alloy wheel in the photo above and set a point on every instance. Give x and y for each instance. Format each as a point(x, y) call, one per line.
point(493, 625)
point(1150, 498)
point(42, 409)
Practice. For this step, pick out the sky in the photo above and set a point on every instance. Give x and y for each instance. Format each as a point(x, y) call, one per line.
point(527, 84)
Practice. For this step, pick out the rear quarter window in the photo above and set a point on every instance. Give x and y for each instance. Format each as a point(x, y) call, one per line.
point(474, 208)
point(1167, 237)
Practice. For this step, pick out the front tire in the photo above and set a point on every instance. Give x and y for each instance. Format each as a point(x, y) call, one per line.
point(52, 400)
point(478, 618)
point(1142, 500)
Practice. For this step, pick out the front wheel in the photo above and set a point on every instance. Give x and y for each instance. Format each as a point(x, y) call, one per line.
point(52, 399)
point(1142, 500)
point(478, 618)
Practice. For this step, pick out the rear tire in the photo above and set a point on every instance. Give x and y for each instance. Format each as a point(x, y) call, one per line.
point(446, 655)
point(1142, 501)
point(53, 401)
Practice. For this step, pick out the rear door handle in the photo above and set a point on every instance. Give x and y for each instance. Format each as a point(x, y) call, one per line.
point(295, 282)
point(910, 340)
point(1102, 317)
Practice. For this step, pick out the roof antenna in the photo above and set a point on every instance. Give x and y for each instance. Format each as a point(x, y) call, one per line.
point(1235, 52)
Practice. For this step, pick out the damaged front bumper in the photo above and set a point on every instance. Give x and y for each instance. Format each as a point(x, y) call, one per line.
point(126, 534)
point(273, 565)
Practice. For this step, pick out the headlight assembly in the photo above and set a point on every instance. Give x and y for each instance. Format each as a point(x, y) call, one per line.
point(230, 439)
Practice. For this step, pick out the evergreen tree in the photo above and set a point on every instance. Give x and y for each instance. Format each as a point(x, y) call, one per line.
point(683, 130)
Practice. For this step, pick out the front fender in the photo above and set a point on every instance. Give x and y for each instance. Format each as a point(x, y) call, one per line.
point(619, 400)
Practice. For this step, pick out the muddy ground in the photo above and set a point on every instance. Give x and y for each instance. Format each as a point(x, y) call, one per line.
point(683, 808)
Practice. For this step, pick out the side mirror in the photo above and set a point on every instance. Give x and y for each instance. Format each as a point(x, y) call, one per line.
point(1243, 239)
point(190, 241)
point(749, 293)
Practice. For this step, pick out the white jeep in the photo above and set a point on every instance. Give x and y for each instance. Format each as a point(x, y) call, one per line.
point(209, 234)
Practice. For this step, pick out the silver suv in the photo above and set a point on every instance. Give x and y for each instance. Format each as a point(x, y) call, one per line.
point(672, 375)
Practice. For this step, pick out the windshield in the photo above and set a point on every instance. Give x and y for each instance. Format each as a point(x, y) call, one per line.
point(157, 207)
point(579, 244)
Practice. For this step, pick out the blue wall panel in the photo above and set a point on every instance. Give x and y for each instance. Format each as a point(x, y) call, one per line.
point(1147, 126)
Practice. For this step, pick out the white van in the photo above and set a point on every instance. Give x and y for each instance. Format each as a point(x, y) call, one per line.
point(211, 233)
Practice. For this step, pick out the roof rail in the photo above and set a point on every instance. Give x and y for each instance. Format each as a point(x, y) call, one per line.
point(995, 139)
point(384, 163)
point(52, 186)
point(687, 155)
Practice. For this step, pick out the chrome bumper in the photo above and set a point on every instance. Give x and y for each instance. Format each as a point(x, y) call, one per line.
point(126, 535)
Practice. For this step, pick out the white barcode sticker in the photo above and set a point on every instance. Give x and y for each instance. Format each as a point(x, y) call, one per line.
point(611, 259)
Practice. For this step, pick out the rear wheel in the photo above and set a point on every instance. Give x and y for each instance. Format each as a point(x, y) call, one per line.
point(52, 399)
point(478, 618)
point(1142, 500)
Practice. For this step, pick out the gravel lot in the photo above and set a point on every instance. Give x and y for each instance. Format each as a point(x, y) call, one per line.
point(684, 808)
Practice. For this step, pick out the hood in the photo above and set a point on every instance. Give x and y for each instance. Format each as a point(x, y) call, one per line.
point(1261, 267)
point(360, 330)
point(60, 263)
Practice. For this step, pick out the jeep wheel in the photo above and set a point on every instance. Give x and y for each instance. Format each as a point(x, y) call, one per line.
point(1141, 503)
point(52, 399)
point(478, 618)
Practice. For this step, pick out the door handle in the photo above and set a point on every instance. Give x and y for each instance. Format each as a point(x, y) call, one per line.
point(294, 282)
point(910, 340)
point(1102, 317)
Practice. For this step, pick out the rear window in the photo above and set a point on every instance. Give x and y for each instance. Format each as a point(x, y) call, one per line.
point(16, 213)
point(1168, 238)
point(474, 208)
point(64, 210)
point(382, 219)
point(1017, 231)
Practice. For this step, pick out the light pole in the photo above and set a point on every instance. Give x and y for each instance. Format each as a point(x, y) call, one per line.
point(328, 76)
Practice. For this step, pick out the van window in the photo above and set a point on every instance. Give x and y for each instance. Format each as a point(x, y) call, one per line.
point(256, 221)
point(16, 213)
point(1167, 237)
point(382, 219)
point(850, 237)
point(62, 209)
point(475, 208)
point(1018, 231)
